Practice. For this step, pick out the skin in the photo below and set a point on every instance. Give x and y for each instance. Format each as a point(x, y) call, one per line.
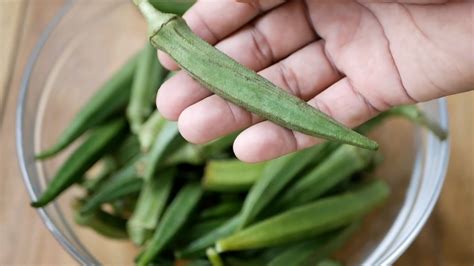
point(350, 59)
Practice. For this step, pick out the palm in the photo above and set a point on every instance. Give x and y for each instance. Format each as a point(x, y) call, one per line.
point(350, 60)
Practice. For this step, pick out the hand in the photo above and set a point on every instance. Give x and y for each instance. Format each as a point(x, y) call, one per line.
point(351, 60)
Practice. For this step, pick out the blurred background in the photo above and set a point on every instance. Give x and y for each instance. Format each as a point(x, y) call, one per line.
point(447, 238)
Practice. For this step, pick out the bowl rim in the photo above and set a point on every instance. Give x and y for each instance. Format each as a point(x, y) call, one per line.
point(72, 250)
point(33, 58)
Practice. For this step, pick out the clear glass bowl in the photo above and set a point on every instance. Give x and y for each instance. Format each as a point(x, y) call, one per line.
point(86, 42)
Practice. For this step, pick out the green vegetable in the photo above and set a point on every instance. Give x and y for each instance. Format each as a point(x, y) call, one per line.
point(340, 165)
point(278, 173)
point(150, 130)
point(110, 98)
point(200, 229)
point(101, 222)
point(127, 150)
point(230, 175)
point(313, 251)
point(214, 257)
point(198, 246)
point(148, 75)
point(167, 141)
point(174, 218)
point(223, 209)
point(308, 220)
point(150, 205)
point(177, 7)
point(241, 86)
point(107, 166)
point(86, 155)
point(113, 190)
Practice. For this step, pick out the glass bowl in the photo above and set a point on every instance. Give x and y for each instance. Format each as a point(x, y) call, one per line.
point(86, 42)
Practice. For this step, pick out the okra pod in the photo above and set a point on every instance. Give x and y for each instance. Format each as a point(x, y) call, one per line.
point(168, 140)
point(200, 229)
point(340, 165)
point(150, 130)
point(107, 166)
point(308, 220)
point(277, 174)
point(230, 175)
point(127, 150)
point(109, 99)
point(86, 155)
point(214, 257)
point(232, 81)
point(312, 252)
point(116, 189)
point(148, 75)
point(198, 246)
point(102, 222)
point(173, 219)
point(151, 203)
point(177, 7)
point(223, 209)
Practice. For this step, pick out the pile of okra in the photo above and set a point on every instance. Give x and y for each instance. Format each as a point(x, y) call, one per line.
point(197, 204)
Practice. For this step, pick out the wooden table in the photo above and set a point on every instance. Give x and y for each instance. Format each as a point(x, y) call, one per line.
point(447, 239)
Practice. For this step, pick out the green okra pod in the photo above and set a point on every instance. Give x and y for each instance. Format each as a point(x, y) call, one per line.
point(173, 219)
point(86, 155)
point(150, 131)
point(150, 205)
point(109, 99)
point(214, 257)
point(116, 189)
point(101, 222)
point(198, 246)
point(108, 166)
point(177, 7)
point(337, 167)
point(230, 175)
point(128, 149)
point(148, 75)
point(200, 229)
point(308, 220)
point(312, 252)
point(167, 141)
point(223, 209)
point(277, 175)
point(227, 78)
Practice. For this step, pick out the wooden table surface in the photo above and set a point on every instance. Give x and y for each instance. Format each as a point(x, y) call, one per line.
point(447, 238)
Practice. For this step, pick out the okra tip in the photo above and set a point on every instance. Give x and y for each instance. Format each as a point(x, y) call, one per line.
point(48, 153)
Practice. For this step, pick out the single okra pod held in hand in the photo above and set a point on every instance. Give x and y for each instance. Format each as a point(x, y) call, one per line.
point(227, 78)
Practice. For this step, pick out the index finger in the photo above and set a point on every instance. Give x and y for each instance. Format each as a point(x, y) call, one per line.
point(213, 20)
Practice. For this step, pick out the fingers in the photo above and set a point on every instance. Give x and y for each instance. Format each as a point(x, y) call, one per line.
point(213, 20)
point(255, 46)
point(265, 140)
point(214, 117)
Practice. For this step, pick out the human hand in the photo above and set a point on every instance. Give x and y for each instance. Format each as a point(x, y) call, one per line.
point(351, 60)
